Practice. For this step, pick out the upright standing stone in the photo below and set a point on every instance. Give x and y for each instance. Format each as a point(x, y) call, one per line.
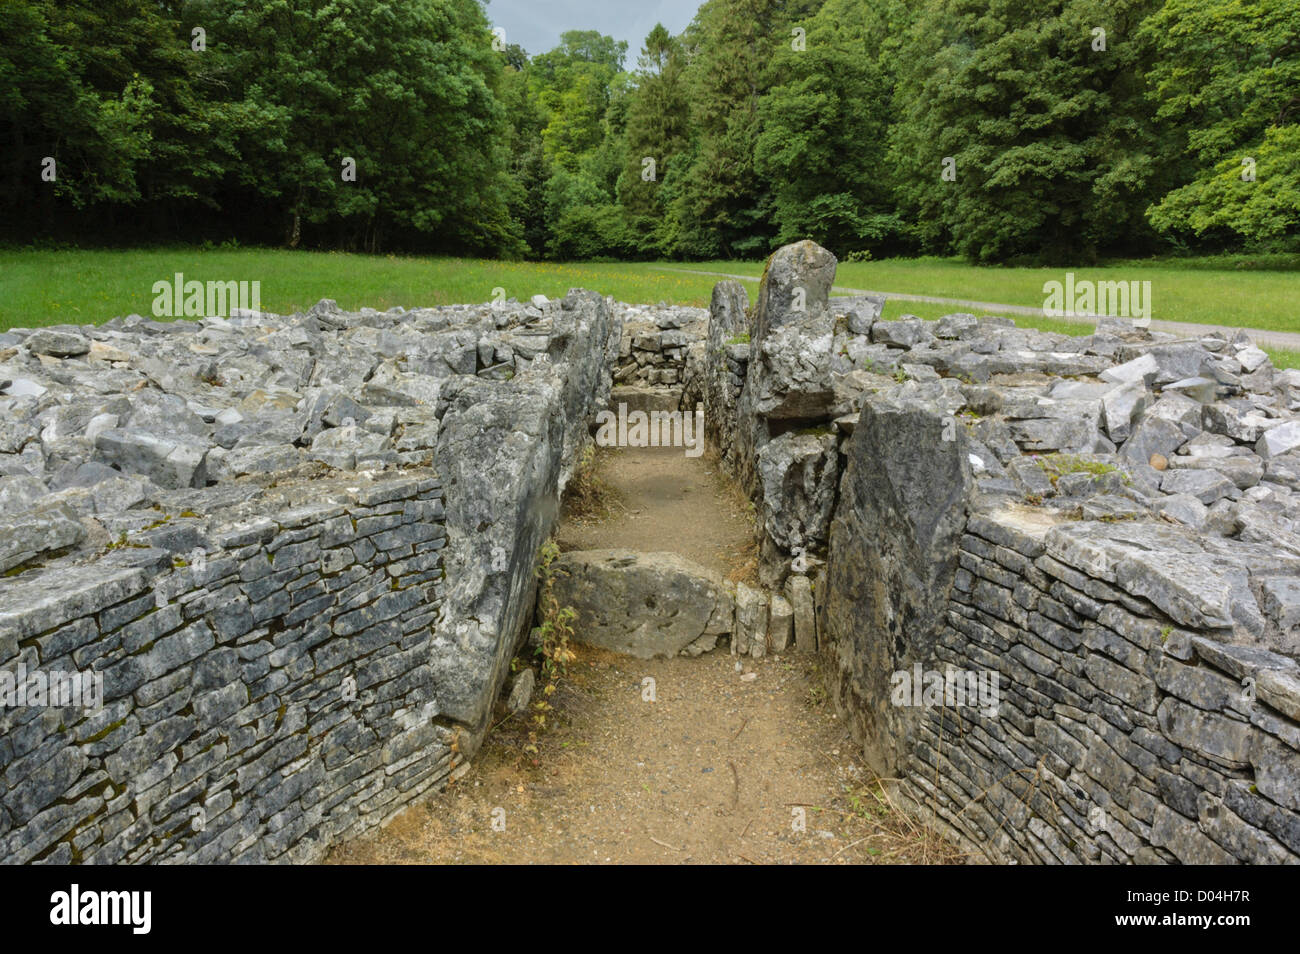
point(799, 592)
point(893, 559)
point(780, 623)
point(751, 622)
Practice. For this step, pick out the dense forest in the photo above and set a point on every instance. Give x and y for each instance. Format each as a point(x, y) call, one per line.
point(1001, 130)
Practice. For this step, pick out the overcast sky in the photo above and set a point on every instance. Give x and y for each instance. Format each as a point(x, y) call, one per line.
point(536, 25)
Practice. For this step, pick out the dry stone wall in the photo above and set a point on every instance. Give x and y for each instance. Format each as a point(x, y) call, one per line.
point(290, 557)
point(1152, 734)
point(652, 351)
point(257, 704)
point(1056, 577)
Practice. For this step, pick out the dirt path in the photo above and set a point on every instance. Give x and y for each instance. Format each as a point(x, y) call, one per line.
point(668, 761)
point(663, 500)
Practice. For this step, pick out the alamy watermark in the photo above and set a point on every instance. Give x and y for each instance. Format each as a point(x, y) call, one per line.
point(179, 298)
point(952, 688)
point(1088, 299)
point(22, 688)
point(652, 429)
point(131, 909)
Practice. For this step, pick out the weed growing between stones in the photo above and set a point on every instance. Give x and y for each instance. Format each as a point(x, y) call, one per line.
point(551, 638)
point(892, 834)
point(1058, 465)
point(588, 495)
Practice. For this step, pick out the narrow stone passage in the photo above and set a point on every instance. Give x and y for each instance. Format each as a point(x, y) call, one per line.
point(725, 765)
point(664, 501)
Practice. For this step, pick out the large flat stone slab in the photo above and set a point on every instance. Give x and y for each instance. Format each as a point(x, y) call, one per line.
point(642, 604)
point(29, 536)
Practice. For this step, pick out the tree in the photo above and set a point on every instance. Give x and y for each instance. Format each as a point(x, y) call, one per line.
point(579, 46)
point(404, 90)
point(527, 172)
point(1017, 134)
point(581, 94)
point(724, 207)
point(1226, 76)
point(113, 96)
point(823, 132)
point(657, 129)
point(572, 83)
point(1006, 130)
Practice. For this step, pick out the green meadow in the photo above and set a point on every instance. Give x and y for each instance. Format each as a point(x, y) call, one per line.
point(40, 287)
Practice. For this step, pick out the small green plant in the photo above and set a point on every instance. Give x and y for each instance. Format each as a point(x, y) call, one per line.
point(551, 637)
point(588, 495)
point(1114, 517)
point(1058, 465)
point(742, 338)
point(123, 541)
point(553, 641)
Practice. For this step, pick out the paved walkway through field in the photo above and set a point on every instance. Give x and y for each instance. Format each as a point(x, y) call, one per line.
point(1288, 340)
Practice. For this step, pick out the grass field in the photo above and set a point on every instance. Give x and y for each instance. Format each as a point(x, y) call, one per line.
point(1243, 292)
point(89, 287)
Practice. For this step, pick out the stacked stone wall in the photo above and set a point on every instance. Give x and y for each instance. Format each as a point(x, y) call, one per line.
point(1057, 580)
point(276, 566)
point(262, 697)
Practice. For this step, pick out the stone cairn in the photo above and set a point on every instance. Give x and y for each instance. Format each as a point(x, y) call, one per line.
point(296, 554)
point(1103, 529)
point(300, 551)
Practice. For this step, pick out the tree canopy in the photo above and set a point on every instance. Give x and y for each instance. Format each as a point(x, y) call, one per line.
point(1003, 130)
